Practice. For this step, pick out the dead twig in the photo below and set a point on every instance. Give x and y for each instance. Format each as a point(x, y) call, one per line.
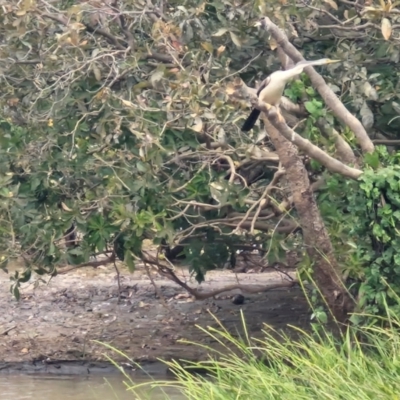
point(7, 330)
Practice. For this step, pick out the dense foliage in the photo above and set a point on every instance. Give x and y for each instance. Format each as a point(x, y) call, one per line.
point(376, 208)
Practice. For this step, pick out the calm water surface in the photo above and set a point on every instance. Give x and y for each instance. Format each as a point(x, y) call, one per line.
point(22, 387)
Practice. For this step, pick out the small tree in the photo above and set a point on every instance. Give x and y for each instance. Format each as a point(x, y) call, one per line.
point(118, 125)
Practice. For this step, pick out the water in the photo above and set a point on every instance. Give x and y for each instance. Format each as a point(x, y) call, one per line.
point(26, 387)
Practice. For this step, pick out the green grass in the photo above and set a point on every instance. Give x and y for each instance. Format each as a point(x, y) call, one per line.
point(313, 366)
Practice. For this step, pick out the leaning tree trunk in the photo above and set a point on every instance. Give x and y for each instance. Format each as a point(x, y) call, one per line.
point(319, 247)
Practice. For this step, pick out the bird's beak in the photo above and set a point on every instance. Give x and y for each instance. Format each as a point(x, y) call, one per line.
point(333, 61)
point(257, 24)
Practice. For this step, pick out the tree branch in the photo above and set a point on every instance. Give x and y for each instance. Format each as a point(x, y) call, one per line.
point(343, 149)
point(387, 142)
point(296, 109)
point(93, 264)
point(167, 272)
point(286, 204)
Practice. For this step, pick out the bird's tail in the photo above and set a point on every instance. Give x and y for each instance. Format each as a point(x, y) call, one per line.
point(251, 120)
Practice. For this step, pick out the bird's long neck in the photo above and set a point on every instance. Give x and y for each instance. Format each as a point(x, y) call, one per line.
point(286, 76)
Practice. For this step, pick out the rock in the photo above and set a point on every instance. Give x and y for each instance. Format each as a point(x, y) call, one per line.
point(238, 299)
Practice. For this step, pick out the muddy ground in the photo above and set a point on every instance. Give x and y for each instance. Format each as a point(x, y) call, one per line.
point(52, 328)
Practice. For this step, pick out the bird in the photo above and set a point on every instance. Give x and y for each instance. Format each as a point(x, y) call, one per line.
point(271, 89)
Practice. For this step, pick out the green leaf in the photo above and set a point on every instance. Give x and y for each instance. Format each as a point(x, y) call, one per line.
point(35, 183)
point(310, 91)
point(372, 159)
point(314, 107)
point(142, 167)
point(52, 249)
point(130, 261)
point(25, 276)
point(15, 291)
point(322, 317)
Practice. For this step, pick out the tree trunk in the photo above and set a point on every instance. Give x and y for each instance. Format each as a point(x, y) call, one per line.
point(316, 238)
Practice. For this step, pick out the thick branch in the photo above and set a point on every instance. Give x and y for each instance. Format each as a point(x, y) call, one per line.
point(319, 83)
point(296, 109)
point(316, 239)
point(343, 149)
point(287, 203)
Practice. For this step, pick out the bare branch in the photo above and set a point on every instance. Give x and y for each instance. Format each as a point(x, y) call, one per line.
point(343, 149)
point(387, 142)
point(289, 106)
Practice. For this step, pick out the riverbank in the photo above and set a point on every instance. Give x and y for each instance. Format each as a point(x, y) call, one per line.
point(52, 328)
